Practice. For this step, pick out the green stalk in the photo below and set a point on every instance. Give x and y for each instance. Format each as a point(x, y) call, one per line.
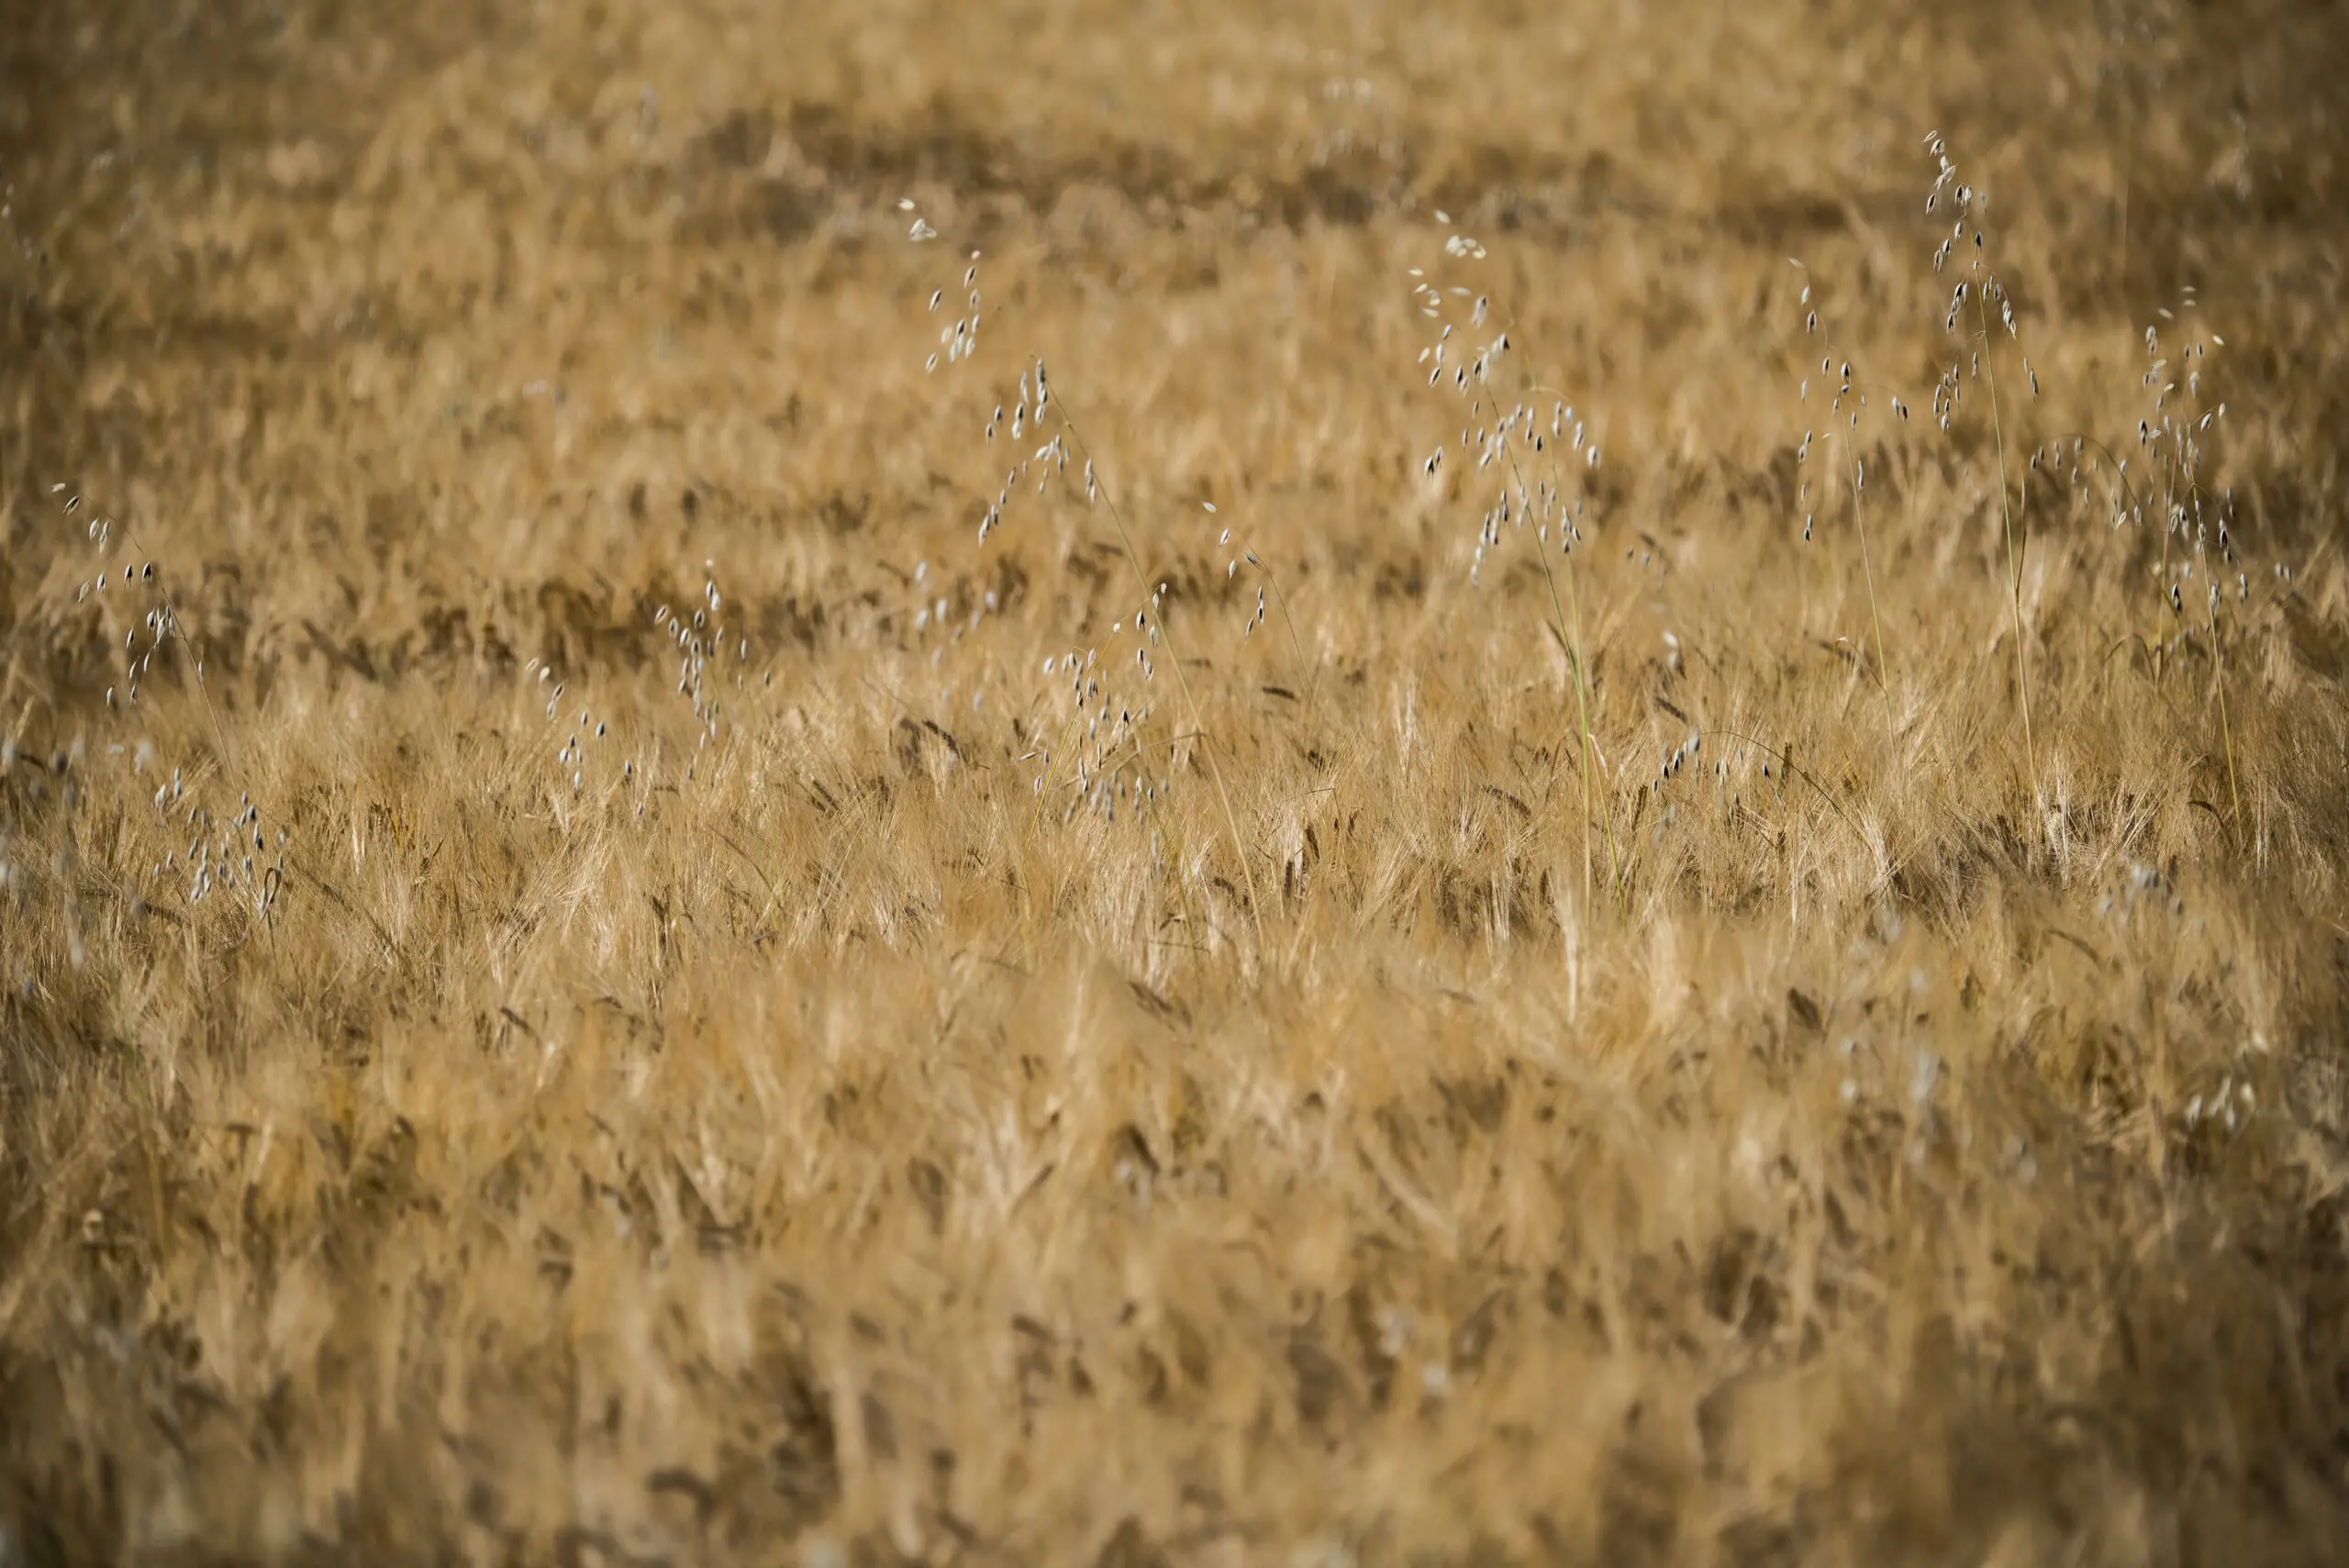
point(1589, 743)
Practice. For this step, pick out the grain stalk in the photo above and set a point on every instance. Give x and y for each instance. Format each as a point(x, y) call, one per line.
point(1565, 608)
point(2014, 561)
point(1174, 657)
point(2226, 729)
point(1858, 478)
point(1588, 742)
point(1981, 281)
point(1570, 633)
point(959, 342)
point(1855, 468)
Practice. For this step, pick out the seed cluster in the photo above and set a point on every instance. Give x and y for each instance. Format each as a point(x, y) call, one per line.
point(703, 647)
point(224, 861)
point(1530, 488)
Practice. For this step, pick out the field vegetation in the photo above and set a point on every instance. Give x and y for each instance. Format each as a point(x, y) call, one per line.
point(1174, 782)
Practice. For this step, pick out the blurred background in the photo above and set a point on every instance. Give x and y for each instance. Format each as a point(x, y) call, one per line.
point(552, 1178)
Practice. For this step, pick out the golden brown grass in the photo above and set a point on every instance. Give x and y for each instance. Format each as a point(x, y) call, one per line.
point(1875, 1139)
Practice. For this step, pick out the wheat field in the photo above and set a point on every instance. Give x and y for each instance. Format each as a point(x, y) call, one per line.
point(1174, 782)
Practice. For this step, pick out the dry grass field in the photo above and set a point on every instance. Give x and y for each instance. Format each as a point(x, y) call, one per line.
point(1624, 849)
